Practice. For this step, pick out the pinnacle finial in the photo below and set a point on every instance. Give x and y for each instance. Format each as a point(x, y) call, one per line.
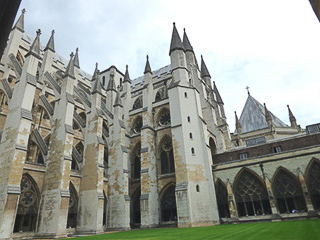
point(204, 69)
point(71, 55)
point(147, 69)
point(52, 32)
point(50, 44)
point(126, 75)
point(248, 90)
point(176, 43)
point(38, 32)
point(76, 59)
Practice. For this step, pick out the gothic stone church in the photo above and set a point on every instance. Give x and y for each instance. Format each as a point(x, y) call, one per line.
point(84, 154)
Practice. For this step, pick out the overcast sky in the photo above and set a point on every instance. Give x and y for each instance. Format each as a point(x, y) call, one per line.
point(272, 46)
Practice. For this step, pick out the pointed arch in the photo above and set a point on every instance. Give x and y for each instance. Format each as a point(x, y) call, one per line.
point(313, 182)
point(20, 58)
point(165, 155)
point(137, 125)
point(27, 213)
point(136, 161)
point(161, 94)
point(135, 208)
point(73, 207)
point(41, 117)
point(251, 194)
point(168, 207)
point(213, 148)
point(287, 191)
point(35, 153)
point(137, 103)
point(222, 199)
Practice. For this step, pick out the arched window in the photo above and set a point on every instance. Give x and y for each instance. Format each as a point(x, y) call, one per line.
point(105, 205)
point(103, 80)
point(288, 192)
point(222, 199)
point(136, 158)
point(80, 148)
point(73, 207)
point(251, 195)
point(164, 118)
point(137, 103)
point(83, 116)
point(192, 151)
point(213, 148)
point(137, 125)
point(34, 153)
point(161, 94)
point(168, 205)
point(136, 213)
point(166, 157)
point(105, 161)
point(3, 101)
point(20, 59)
point(26, 217)
point(313, 183)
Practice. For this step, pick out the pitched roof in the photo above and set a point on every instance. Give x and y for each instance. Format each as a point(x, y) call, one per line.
point(253, 116)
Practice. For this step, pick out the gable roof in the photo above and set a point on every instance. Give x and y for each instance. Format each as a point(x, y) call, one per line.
point(253, 116)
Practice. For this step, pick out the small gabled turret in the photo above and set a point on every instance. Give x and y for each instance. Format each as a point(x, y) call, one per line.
point(126, 76)
point(147, 69)
point(205, 75)
point(238, 124)
point(76, 59)
point(20, 23)
point(267, 116)
point(292, 118)
point(35, 46)
point(50, 44)
point(97, 87)
point(176, 43)
point(186, 43)
point(215, 89)
point(70, 68)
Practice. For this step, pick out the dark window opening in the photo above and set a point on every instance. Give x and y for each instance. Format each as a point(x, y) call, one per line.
point(168, 206)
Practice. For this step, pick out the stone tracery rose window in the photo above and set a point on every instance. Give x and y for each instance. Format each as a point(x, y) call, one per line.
point(164, 118)
point(137, 125)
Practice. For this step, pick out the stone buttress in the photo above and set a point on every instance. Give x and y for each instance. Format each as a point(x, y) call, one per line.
point(149, 201)
point(91, 188)
point(55, 195)
point(119, 200)
point(15, 137)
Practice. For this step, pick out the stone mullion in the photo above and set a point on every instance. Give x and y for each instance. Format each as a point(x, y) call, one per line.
point(90, 218)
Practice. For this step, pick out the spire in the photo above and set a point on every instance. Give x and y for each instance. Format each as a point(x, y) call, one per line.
point(50, 44)
point(35, 46)
point(126, 76)
point(292, 118)
point(186, 43)
point(70, 68)
point(147, 69)
point(238, 124)
point(117, 102)
point(76, 59)
point(175, 40)
point(111, 83)
point(95, 72)
point(267, 115)
point(215, 89)
point(97, 85)
point(20, 23)
point(204, 69)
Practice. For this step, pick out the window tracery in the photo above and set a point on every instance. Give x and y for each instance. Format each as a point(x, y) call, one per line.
point(251, 196)
point(313, 182)
point(164, 118)
point(137, 125)
point(137, 103)
point(168, 206)
point(166, 157)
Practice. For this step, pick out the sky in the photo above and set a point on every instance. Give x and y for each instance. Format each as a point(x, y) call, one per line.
point(271, 46)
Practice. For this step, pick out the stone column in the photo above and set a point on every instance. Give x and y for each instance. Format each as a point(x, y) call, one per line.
point(274, 209)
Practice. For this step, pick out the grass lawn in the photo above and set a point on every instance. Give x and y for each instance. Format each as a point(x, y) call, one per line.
point(293, 230)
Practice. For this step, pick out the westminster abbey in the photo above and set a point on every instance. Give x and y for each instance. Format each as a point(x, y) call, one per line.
point(82, 154)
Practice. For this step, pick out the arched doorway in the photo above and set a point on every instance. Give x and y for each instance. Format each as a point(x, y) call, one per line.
point(73, 207)
point(288, 192)
point(26, 217)
point(136, 211)
point(168, 205)
point(251, 195)
point(222, 199)
point(313, 183)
